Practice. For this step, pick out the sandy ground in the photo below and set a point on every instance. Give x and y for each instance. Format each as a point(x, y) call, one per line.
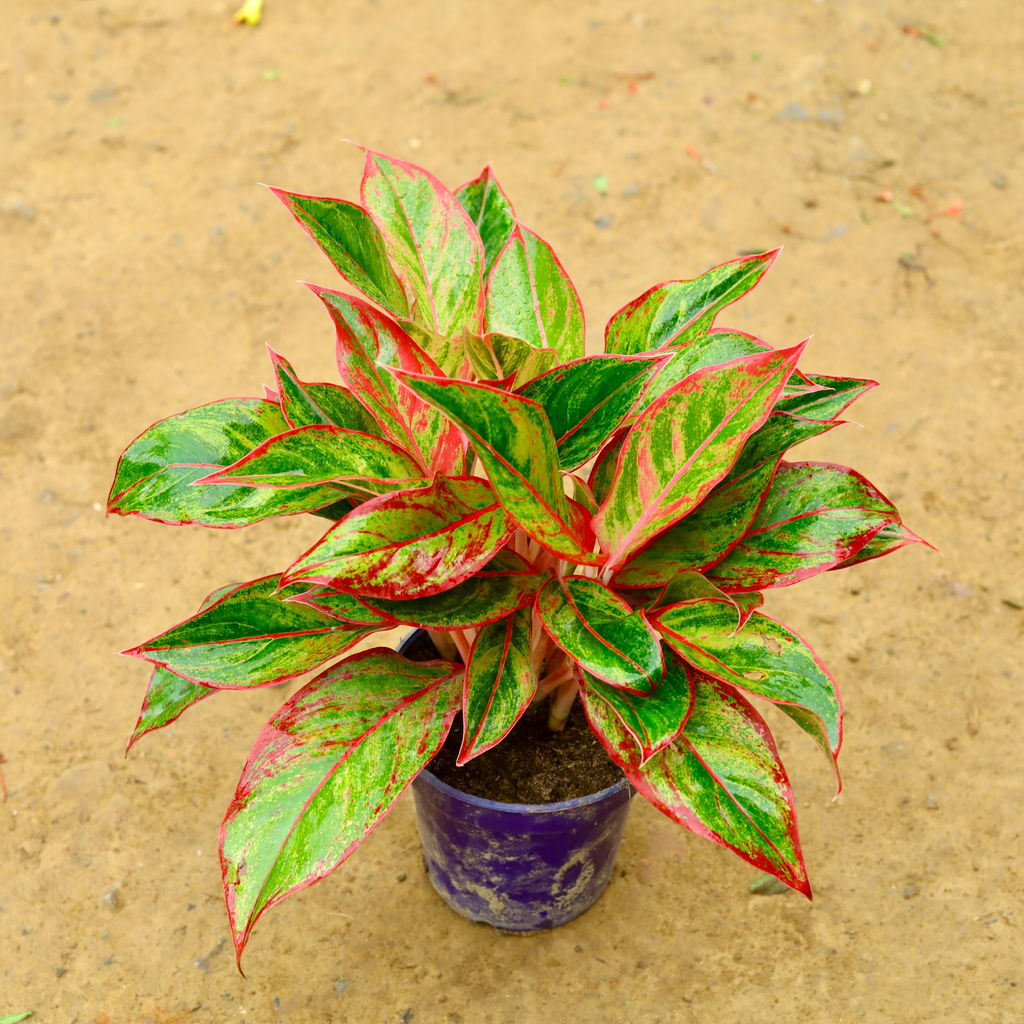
point(144, 270)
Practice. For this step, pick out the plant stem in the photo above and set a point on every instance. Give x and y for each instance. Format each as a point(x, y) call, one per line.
point(463, 644)
point(561, 705)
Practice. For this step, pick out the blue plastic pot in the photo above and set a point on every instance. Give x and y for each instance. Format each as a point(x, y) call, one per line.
point(519, 867)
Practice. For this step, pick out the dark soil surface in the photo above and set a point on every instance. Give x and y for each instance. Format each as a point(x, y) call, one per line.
point(532, 765)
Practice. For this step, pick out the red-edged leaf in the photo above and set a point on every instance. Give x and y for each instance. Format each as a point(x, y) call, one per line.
point(169, 695)
point(764, 658)
point(499, 684)
point(671, 313)
point(344, 607)
point(890, 538)
point(722, 779)
point(433, 244)
point(307, 405)
point(490, 210)
point(600, 631)
point(367, 342)
point(513, 439)
point(325, 454)
point(155, 474)
point(252, 636)
point(505, 584)
point(496, 357)
point(684, 444)
point(530, 296)
point(410, 543)
point(704, 536)
point(588, 398)
point(324, 771)
point(651, 722)
point(348, 237)
point(815, 516)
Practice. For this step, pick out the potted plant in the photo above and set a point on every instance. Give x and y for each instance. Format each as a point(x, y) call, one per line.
point(568, 529)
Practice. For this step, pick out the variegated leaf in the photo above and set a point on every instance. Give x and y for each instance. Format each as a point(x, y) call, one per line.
point(832, 396)
point(672, 313)
point(169, 695)
point(505, 584)
point(722, 779)
point(433, 244)
point(368, 342)
point(587, 399)
point(815, 516)
point(155, 474)
point(600, 632)
point(513, 439)
point(530, 296)
point(498, 356)
point(348, 237)
point(252, 636)
point(490, 210)
point(499, 684)
point(344, 607)
point(652, 722)
point(890, 538)
point(702, 537)
point(308, 405)
point(684, 444)
point(324, 771)
point(712, 349)
point(764, 658)
point(410, 543)
point(325, 454)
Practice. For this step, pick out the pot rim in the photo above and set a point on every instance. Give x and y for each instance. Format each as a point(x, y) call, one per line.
point(498, 805)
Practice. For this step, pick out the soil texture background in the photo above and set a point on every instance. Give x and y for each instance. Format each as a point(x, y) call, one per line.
point(145, 271)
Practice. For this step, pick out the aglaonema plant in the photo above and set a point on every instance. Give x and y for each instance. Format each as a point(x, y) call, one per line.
point(567, 526)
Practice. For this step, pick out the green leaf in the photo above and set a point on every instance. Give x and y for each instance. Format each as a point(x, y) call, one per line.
point(600, 631)
point(490, 210)
point(815, 516)
point(587, 399)
point(835, 395)
point(409, 543)
point(722, 779)
point(704, 536)
point(671, 313)
point(712, 349)
point(891, 537)
point(764, 658)
point(683, 444)
point(513, 439)
point(497, 356)
point(154, 475)
point(350, 240)
point(324, 772)
point(431, 241)
point(325, 454)
point(651, 722)
point(344, 607)
point(368, 343)
point(252, 636)
point(530, 296)
point(308, 405)
point(501, 587)
point(168, 695)
point(16, 1018)
point(499, 684)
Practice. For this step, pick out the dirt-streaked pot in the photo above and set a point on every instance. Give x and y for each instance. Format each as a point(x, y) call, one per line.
point(519, 867)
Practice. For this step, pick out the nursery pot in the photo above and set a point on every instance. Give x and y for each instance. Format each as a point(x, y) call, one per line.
point(518, 867)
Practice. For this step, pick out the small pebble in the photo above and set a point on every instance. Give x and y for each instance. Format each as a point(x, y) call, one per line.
point(603, 222)
point(910, 890)
point(794, 112)
point(60, 971)
point(401, 877)
point(340, 985)
point(999, 181)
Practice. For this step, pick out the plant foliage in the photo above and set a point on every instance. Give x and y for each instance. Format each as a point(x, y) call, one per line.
point(567, 525)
